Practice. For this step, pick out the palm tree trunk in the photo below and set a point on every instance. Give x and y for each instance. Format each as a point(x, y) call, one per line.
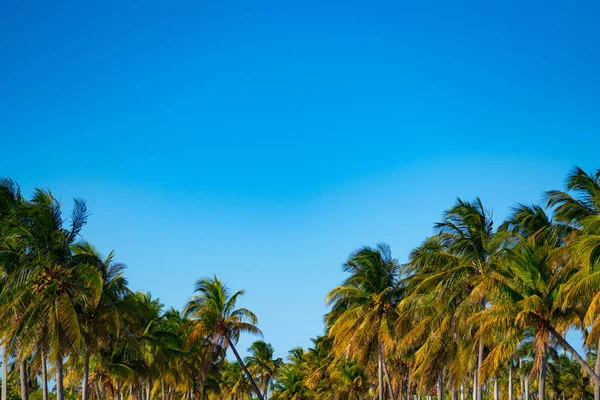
point(597, 370)
point(542, 377)
point(239, 360)
point(521, 380)
point(86, 374)
point(98, 391)
point(23, 378)
point(387, 375)
point(496, 389)
point(60, 391)
point(4, 373)
point(44, 375)
point(479, 362)
point(440, 387)
point(592, 374)
point(475, 384)
point(510, 380)
point(380, 376)
point(117, 389)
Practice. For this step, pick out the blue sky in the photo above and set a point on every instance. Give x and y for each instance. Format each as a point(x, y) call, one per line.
point(264, 141)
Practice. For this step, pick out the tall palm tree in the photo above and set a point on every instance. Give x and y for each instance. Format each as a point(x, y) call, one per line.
point(49, 282)
point(363, 308)
point(526, 291)
point(579, 209)
point(216, 319)
point(468, 249)
point(11, 255)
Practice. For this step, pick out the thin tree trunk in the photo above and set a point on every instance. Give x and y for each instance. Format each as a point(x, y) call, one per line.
point(542, 377)
point(140, 394)
point(454, 394)
point(496, 389)
point(527, 387)
point(98, 391)
point(478, 372)
point(409, 387)
point(462, 392)
point(387, 374)
point(23, 379)
point(510, 380)
point(131, 392)
point(597, 370)
point(521, 379)
point(60, 391)
point(575, 354)
point(86, 373)
point(117, 389)
point(475, 384)
point(4, 373)
point(380, 376)
point(162, 389)
point(252, 382)
point(440, 387)
point(44, 375)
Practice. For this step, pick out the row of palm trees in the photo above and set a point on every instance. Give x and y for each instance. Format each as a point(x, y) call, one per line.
point(476, 305)
point(69, 317)
point(477, 312)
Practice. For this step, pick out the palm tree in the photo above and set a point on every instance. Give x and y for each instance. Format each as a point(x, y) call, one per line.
point(467, 248)
point(349, 380)
point(526, 288)
point(99, 315)
point(215, 319)
point(581, 212)
point(290, 385)
point(438, 337)
point(11, 254)
point(263, 364)
point(363, 308)
point(49, 281)
point(316, 366)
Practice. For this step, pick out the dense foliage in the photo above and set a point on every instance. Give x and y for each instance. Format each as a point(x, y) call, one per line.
point(479, 311)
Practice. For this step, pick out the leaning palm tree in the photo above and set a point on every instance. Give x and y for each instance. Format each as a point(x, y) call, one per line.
point(215, 318)
point(361, 320)
point(579, 208)
point(526, 292)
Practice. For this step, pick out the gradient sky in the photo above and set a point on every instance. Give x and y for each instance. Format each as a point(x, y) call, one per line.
point(265, 141)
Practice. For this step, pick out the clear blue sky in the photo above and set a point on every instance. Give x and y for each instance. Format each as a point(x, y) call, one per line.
point(264, 141)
